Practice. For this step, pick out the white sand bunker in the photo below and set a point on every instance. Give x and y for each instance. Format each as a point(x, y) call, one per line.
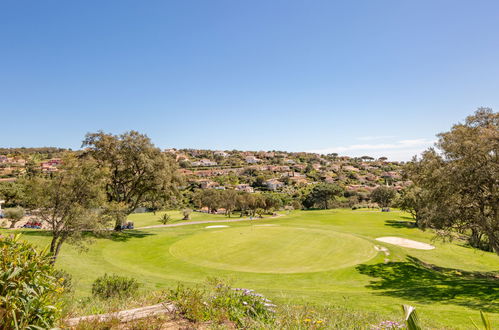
point(220, 226)
point(404, 242)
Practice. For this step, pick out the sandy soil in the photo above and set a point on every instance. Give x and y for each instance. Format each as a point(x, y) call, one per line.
point(404, 242)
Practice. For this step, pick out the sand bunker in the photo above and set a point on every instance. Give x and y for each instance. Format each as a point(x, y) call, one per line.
point(220, 226)
point(404, 242)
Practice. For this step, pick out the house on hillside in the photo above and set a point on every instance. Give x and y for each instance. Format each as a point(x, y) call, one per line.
point(251, 159)
point(274, 184)
point(245, 187)
point(204, 162)
point(221, 153)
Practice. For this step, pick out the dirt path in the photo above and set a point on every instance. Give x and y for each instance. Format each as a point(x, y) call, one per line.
point(126, 315)
point(207, 221)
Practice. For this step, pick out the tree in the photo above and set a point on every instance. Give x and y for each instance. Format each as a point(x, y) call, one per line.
point(462, 180)
point(412, 200)
point(139, 173)
point(12, 192)
point(14, 215)
point(383, 195)
point(69, 201)
point(321, 195)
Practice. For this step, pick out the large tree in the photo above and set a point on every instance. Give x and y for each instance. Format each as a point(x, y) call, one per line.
point(321, 195)
point(383, 195)
point(461, 180)
point(69, 201)
point(139, 173)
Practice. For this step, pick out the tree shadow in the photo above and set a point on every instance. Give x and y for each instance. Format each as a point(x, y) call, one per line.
point(125, 235)
point(400, 223)
point(425, 283)
point(122, 236)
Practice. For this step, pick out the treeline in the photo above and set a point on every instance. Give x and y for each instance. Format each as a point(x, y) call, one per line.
point(251, 204)
point(49, 152)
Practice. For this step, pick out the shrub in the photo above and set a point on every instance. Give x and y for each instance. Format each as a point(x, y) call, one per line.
point(65, 279)
point(187, 214)
point(14, 214)
point(219, 302)
point(165, 218)
point(29, 288)
point(114, 286)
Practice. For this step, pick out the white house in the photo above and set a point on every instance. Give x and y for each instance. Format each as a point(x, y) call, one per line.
point(274, 184)
point(221, 153)
point(251, 159)
point(204, 162)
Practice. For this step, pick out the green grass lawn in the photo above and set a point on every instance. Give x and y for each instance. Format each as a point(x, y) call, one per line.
point(306, 257)
point(151, 219)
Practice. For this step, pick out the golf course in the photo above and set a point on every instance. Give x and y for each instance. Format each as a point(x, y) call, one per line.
point(326, 257)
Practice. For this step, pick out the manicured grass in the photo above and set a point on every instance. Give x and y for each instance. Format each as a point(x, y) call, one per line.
point(315, 264)
point(273, 249)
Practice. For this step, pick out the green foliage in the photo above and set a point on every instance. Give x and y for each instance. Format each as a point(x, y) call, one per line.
point(383, 195)
point(68, 201)
point(487, 325)
point(219, 302)
point(114, 286)
point(461, 181)
point(14, 214)
point(12, 192)
point(65, 279)
point(140, 174)
point(29, 288)
point(165, 218)
point(411, 318)
point(186, 213)
point(321, 195)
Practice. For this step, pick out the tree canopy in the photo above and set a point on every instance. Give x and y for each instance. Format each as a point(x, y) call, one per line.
point(139, 173)
point(461, 180)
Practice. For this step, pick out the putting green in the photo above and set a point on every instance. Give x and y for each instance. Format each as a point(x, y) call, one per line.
point(273, 249)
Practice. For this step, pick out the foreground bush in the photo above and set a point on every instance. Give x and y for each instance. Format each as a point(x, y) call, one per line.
point(220, 303)
point(29, 288)
point(114, 286)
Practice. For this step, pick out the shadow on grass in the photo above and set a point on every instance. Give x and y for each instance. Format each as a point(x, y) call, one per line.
point(122, 236)
point(400, 224)
point(425, 283)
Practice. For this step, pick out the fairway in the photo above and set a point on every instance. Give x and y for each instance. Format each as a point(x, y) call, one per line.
point(273, 249)
point(305, 257)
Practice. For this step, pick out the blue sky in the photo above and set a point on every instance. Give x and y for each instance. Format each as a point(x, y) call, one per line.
point(356, 77)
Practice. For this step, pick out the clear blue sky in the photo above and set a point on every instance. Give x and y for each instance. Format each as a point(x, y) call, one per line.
point(358, 77)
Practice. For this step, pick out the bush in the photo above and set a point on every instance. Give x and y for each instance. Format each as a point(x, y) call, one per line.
point(219, 302)
point(187, 214)
point(65, 279)
point(165, 218)
point(114, 286)
point(14, 214)
point(29, 289)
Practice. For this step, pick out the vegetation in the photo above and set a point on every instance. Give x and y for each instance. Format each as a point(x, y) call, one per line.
point(29, 287)
point(112, 286)
point(321, 195)
point(383, 195)
point(68, 201)
point(219, 303)
point(460, 183)
point(139, 173)
point(451, 280)
point(14, 215)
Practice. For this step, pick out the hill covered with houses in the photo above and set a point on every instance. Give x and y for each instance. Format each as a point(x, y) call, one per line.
point(287, 172)
point(290, 173)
